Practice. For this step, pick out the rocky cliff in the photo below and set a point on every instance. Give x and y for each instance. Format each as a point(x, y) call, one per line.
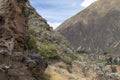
point(96, 28)
point(27, 43)
point(16, 61)
point(13, 26)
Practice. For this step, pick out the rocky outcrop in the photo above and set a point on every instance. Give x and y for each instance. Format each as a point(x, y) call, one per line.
point(27, 42)
point(22, 67)
point(16, 61)
point(13, 27)
point(96, 28)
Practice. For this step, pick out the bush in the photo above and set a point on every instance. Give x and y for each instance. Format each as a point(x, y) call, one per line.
point(31, 43)
point(109, 60)
point(48, 50)
point(105, 53)
point(67, 60)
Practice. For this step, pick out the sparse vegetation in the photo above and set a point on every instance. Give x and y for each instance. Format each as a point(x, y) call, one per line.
point(32, 31)
point(82, 51)
point(103, 62)
point(48, 50)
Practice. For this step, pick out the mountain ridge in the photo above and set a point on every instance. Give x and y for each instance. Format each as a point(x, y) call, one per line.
point(96, 28)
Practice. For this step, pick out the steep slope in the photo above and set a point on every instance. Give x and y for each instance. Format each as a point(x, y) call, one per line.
point(96, 28)
point(13, 26)
point(16, 62)
point(43, 37)
point(27, 43)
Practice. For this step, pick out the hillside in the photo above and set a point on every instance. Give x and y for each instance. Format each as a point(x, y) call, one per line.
point(96, 28)
point(31, 50)
point(27, 43)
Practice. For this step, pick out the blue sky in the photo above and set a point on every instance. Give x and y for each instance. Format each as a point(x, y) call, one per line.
point(57, 11)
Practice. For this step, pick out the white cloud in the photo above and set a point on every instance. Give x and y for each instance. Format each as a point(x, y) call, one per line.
point(86, 3)
point(54, 24)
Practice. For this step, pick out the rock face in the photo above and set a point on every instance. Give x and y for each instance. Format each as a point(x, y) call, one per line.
point(96, 28)
point(27, 42)
point(13, 26)
point(16, 61)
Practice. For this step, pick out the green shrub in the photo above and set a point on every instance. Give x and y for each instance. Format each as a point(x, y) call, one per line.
point(105, 53)
point(109, 60)
point(48, 50)
point(67, 60)
point(31, 43)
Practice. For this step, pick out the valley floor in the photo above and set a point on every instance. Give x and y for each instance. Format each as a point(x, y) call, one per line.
point(88, 67)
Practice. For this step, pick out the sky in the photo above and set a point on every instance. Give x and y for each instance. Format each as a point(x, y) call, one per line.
point(57, 11)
